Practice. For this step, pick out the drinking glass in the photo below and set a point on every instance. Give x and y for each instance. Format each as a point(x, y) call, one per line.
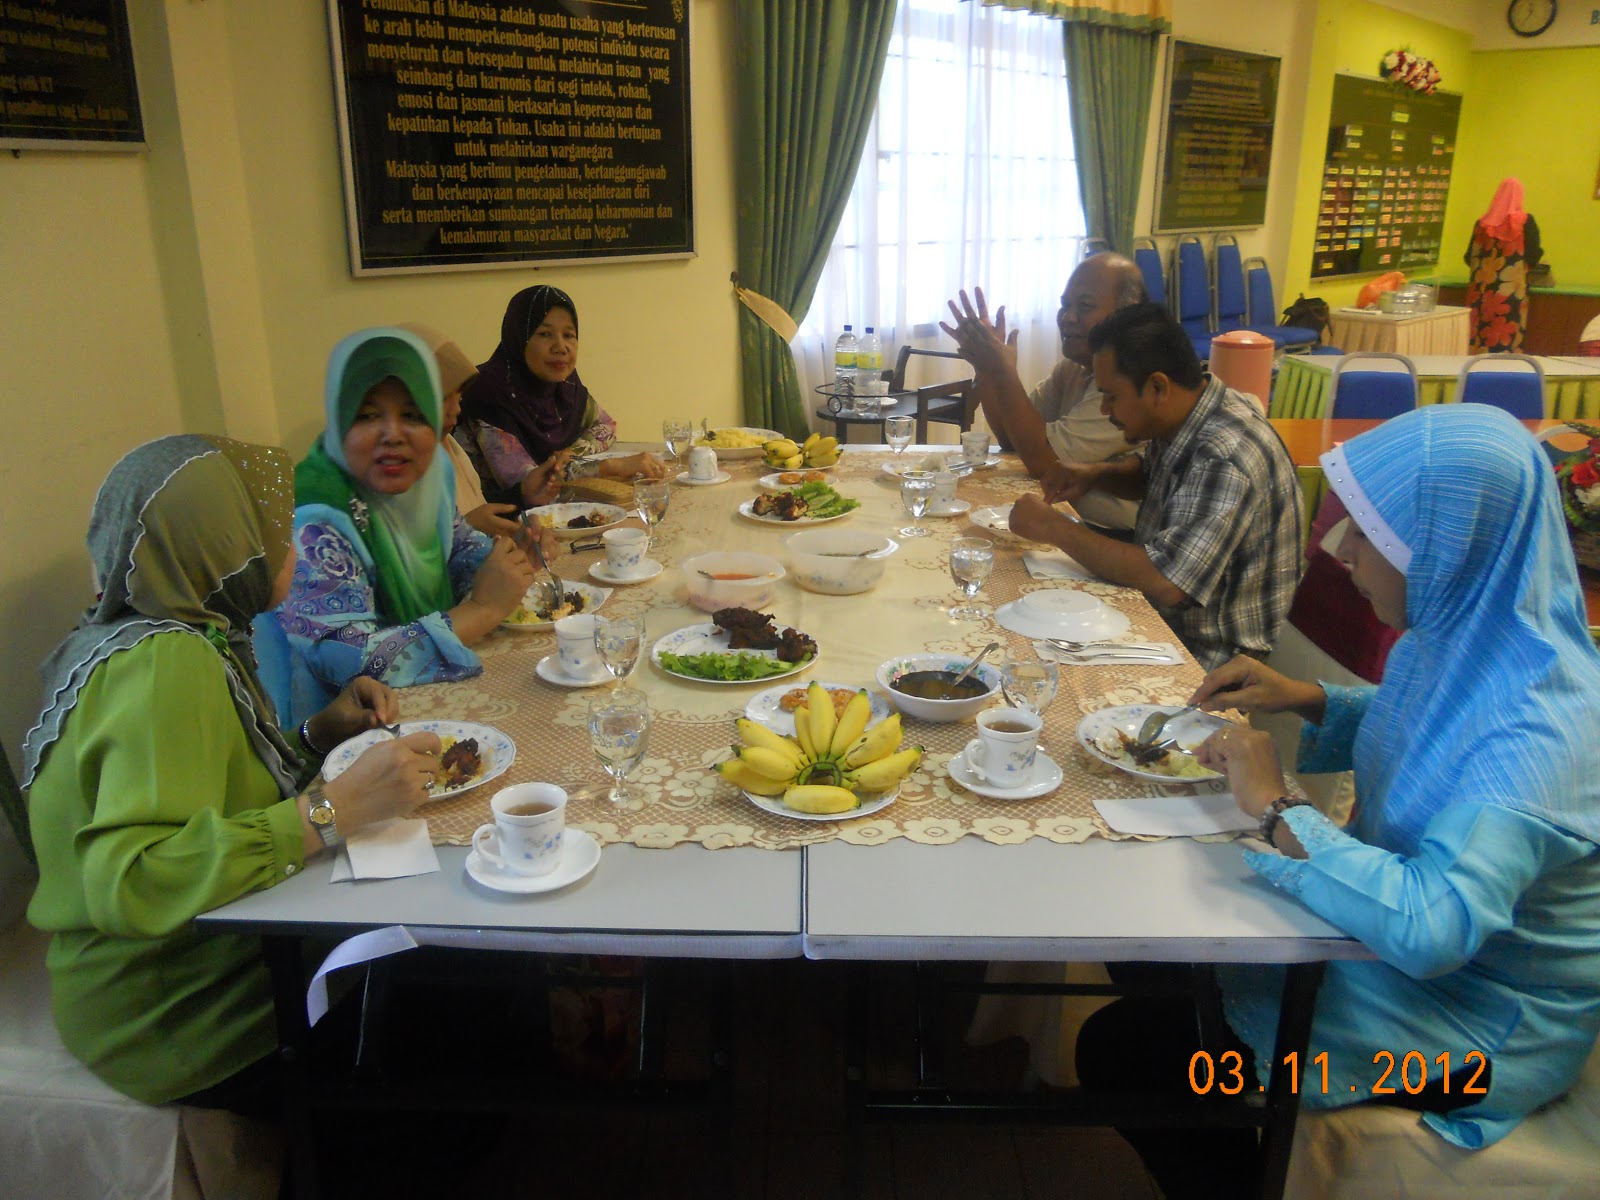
point(619, 730)
point(650, 497)
point(1028, 682)
point(617, 641)
point(916, 492)
point(677, 435)
point(898, 431)
point(971, 560)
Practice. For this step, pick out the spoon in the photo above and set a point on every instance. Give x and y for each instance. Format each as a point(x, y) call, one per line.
point(748, 579)
point(973, 665)
point(1155, 722)
point(550, 585)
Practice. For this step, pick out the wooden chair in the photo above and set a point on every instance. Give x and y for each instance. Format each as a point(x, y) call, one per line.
point(949, 403)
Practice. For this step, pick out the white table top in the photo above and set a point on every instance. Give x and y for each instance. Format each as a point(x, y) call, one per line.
point(1373, 314)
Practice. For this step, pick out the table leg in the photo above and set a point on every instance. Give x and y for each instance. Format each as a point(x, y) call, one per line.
point(1300, 986)
point(282, 953)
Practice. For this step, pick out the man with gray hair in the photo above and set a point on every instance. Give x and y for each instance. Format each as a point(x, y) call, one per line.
point(1060, 420)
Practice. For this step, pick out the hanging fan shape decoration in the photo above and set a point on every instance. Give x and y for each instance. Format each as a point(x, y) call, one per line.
point(1411, 70)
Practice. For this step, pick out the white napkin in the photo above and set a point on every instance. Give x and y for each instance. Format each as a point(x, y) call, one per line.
point(1177, 816)
point(1167, 650)
point(386, 850)
point(1054, 564)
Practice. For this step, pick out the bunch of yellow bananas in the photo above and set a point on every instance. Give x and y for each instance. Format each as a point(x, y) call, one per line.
point(788, 455)
point(829, 759)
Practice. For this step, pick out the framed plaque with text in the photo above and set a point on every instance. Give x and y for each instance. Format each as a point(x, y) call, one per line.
point(66, 76)
point(479, 135)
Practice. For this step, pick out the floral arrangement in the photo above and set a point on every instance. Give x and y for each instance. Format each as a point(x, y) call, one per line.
point(1411, 70)
point(1578, 477)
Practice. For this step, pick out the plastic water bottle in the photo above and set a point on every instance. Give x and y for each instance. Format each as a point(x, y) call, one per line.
point(869, 363)
point(844, 362)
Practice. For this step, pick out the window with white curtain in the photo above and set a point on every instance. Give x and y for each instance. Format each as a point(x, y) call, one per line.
point(967, 178)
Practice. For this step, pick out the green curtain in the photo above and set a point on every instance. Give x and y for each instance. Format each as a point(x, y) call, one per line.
point(11, 800)
point(806, 87)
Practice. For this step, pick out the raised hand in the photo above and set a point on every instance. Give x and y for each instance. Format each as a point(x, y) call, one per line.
point(983, 343)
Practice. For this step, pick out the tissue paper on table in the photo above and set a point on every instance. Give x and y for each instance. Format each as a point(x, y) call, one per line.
point(1055, 564)
point(387, 850)
point(1177, 816)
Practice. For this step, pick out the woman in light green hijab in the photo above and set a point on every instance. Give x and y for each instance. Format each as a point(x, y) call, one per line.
point(389, 582)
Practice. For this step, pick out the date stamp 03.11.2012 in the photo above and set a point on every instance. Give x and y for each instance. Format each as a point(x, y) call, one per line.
point(1409, 1072)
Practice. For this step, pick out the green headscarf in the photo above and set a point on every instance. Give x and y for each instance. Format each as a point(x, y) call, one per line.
point(407, 536)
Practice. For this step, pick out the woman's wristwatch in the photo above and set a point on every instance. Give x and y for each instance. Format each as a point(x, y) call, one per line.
point(319, 810)
point(1274, 813)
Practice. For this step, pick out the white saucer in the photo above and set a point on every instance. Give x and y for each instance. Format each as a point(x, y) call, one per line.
point(549, 669)
point(579, 854)
point(685, 477)
point(1046, 778)
point(602, 572)
point(954, 509)
point(1108, 623)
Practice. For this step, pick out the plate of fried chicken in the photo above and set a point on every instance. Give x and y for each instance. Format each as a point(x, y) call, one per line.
point(470, 754)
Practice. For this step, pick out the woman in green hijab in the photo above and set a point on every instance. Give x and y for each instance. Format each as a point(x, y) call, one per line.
point(162, 787)
point(389, 582)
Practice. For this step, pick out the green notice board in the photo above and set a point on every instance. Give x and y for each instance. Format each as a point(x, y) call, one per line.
point(1385, 179)
point(1216, 145)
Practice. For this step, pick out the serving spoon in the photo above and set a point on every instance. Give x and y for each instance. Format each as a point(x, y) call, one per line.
point(973, 665)
point(1157, 721)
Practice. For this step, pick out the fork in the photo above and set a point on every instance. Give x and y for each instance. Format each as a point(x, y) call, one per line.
point(1079, 647)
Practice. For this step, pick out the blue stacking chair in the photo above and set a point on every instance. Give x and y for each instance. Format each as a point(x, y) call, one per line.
point(1519, 392)
point(1227, 285)
point(1148, 260)
point(1191, 290)
point(1262, 312)
point(1357, 392)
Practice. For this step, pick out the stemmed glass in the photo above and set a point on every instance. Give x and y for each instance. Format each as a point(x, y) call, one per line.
point(676, 434)
point(1028, 682)
point(971, 560)
point(898, 431)
point(650, 497)
point(619, 730)
point(617, 640)
point(916, 493)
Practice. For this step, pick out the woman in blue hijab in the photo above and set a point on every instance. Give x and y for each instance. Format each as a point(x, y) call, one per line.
point(1469, 867)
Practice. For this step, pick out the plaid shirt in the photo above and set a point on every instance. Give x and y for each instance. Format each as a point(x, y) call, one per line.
point(1221, 520)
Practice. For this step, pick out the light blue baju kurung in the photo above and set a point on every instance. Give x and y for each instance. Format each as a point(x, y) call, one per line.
point(1471, 866)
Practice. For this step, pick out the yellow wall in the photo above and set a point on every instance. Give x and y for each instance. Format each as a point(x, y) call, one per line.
point(1532, 114)
point(1352, 36)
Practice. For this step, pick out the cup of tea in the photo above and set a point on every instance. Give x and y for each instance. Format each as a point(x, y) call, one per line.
point(944, 491)
point(624, 551)
point(575, 646)
point(1007, 743)
point(525, 837)
point(975, 446)
point(702, 464)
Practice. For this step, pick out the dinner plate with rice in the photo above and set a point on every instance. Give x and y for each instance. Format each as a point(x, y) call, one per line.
point(528, 617)
point(470, 754)
point(1111, 735)
point(580, 518)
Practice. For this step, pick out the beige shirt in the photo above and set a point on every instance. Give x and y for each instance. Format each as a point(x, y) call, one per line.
point(1077, 431)
point(469, 492)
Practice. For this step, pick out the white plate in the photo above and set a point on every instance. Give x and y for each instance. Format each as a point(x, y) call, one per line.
point(1106, 623)
point(775, 806)
point(954, 509)
point(579, 854)
point(496, 749)
point(1190, 730)
point(684, 477)
point(549, 669)
point(602, 571)
point(705, 637)
point(996, 518)
point(764, 707)
point(557, 515)
point(747, 509)
point(736, 452)
point(770, 483)
point(593, 598)
point(1045, 779)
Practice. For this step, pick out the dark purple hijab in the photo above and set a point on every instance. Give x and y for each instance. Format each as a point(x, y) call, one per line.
point(544, 416)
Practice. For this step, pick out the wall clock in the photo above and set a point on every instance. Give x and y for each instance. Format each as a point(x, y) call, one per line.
point(1530, 18)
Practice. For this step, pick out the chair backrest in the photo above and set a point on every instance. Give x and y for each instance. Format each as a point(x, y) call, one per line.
point(1485, 379)
point(1228, 269)
point(897, 377)
point(1191, 285)
point(1361, 388)
point(1148, 260)
point(1092, 246)
point(1561, 441)
point(1260, 308)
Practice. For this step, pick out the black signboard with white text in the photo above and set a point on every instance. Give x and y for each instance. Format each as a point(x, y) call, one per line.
point(66, 76)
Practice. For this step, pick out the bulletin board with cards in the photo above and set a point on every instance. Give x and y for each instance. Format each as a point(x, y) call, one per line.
point(1385, 178)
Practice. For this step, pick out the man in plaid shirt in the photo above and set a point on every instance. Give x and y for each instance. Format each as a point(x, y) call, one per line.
point(1217, 546)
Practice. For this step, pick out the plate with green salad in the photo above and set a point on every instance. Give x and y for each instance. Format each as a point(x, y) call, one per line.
point(700, 652)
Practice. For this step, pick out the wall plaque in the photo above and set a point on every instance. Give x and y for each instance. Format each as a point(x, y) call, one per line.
point(66, 76)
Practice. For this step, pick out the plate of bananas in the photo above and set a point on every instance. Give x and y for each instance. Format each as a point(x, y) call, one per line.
point(816, 453)
point(834, 768)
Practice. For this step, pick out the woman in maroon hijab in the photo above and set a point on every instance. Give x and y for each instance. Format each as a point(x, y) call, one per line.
point(527, 421)
point(1503, 251)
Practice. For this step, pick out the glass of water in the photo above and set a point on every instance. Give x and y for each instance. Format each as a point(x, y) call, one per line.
point(971, 561)
point(677, 435)
point(1028, 682)
point(619, 731)
point(898, 431)
point(916, 493)
point(617, 640)
point(650, 497)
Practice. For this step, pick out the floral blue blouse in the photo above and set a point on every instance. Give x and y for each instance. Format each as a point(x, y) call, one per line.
point(330, 629)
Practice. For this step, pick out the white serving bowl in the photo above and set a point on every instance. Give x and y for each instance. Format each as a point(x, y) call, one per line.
point(708, 595)
point(811, 554)
point(942, 711)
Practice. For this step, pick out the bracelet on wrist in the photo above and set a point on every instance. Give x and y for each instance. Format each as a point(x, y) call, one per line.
point(1273, 814)
point(306, 742)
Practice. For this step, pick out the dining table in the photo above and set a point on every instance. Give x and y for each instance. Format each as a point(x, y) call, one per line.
point(1443, 329)
point(691, 867)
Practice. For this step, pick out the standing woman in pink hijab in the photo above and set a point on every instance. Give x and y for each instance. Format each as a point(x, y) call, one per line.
point(1504, 250)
